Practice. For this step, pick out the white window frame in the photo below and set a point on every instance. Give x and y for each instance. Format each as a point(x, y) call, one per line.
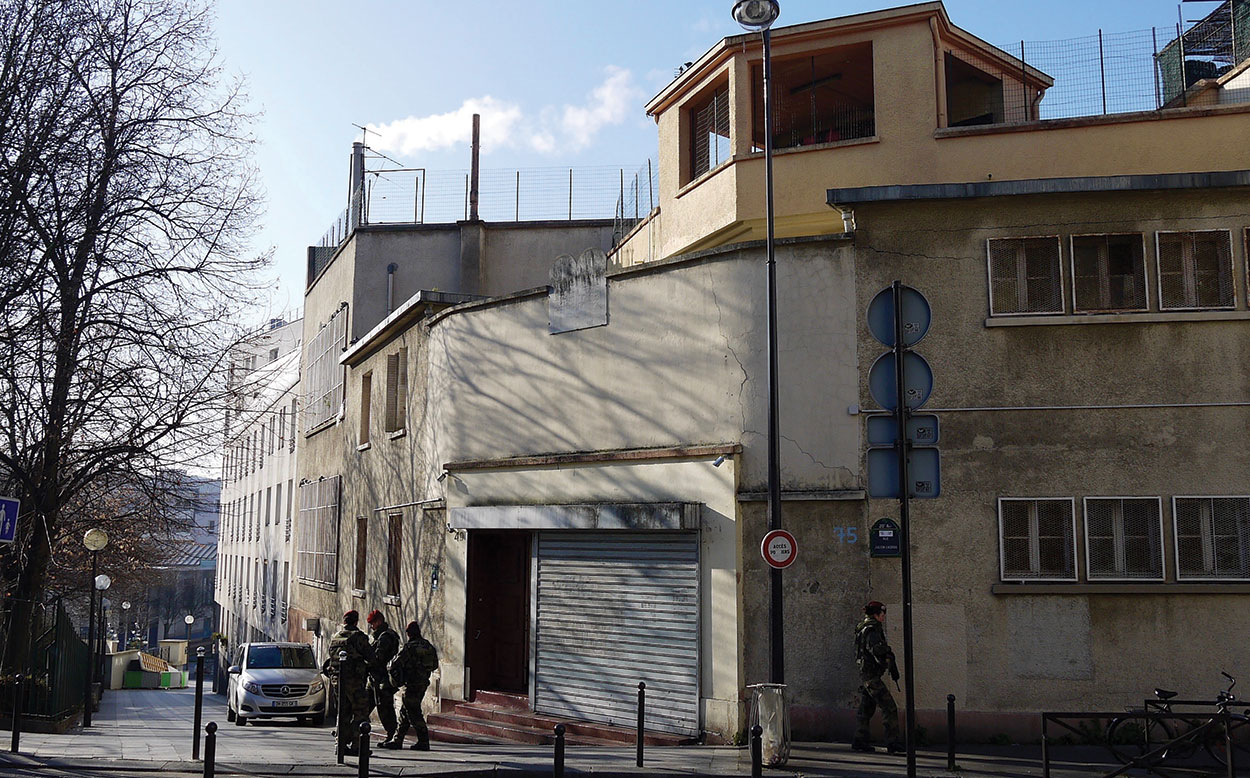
point(1232, 272)
point(1180, 576)
point(989, 275)
point(1089, 574)
point(1076, 309)
point(1033, 539)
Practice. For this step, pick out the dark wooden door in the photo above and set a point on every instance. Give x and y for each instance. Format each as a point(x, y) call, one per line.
point(498, 618)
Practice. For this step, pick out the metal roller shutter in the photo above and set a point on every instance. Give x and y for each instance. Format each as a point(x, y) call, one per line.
point(613, 609)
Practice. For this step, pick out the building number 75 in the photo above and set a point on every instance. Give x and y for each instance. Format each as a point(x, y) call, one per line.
point(846, 534)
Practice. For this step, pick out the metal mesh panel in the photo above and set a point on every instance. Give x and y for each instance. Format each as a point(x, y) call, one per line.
point(1025, 276)
point(1108, 273)
point(1036, 539)
point(323, 374)
point(1123, 538)
point(820, 98)
point(1212, 537)
point(639, 196)
point(317, 544)
point(709, 132)
point(1195, 270)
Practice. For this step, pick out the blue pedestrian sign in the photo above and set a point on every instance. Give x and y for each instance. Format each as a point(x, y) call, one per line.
point(8, 519)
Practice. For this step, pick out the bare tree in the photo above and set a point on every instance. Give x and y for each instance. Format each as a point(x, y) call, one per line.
point(126, 203)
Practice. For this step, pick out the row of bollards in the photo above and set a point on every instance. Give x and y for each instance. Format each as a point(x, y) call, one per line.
point(362, 765)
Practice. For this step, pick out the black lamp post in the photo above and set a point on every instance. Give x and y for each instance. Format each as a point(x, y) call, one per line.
point(94, 541)
point(760, 15)
point(123, 627)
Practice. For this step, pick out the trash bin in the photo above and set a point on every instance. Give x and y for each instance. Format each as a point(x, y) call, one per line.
point(770, 708)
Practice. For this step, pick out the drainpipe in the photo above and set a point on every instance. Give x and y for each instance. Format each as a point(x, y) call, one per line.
point(390, 287)
point(356, 189)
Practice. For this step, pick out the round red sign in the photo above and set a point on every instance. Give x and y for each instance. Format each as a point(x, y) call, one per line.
point(779, 549)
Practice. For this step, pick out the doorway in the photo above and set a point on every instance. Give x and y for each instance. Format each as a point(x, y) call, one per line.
point(497, 636)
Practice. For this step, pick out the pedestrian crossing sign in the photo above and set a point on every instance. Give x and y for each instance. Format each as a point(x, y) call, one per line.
point(8, 519)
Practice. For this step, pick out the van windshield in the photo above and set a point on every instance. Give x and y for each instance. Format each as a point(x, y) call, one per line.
point(273, 657)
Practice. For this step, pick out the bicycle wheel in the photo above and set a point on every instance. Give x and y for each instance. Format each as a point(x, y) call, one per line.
point(1131, 738)
point(1217, 746)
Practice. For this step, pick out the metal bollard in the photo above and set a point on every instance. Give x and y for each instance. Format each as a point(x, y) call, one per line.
point(558, 770)
point(340, 737)
point(362, 766)
point(757, 751)
point(950, 732)
point(642, 717)
point(17, 711)
point(210, 749)
point(1229, 749)
point(199, 702)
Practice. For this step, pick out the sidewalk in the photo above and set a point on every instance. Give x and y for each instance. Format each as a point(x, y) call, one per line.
point(149, 732)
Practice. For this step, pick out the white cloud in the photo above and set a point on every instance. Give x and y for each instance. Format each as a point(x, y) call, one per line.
point(506, 124)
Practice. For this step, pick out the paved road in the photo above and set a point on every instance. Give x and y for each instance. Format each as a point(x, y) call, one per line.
point(148, 732)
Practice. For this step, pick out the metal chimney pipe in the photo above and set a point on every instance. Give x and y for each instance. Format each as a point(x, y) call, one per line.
point(477, 151)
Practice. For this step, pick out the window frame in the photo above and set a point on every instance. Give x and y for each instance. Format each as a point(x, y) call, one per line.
point(366, 406)
point(714, 94)
point(396, 394)
point(1145, 280)
point(360, 564)
point(317, 543)
point(324, 378)
point(1232, 272)
point(1059, 281)
point(1089, 574)
point(394, 553)
point(1206, 576)
point(1034, 539)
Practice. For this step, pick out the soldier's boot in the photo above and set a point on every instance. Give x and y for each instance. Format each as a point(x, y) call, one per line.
point(396, 740)
point(420, 745)
point(862, 745)
point(896, 747)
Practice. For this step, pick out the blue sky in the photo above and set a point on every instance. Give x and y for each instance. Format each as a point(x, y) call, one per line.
point(559, 83)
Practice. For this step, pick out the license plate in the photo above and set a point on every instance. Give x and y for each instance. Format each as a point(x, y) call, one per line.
point(285, 703)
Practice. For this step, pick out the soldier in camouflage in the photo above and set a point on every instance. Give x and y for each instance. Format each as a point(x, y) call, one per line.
point(385, 642)
point(352, 675)
point(874, 657)
point(411, 669)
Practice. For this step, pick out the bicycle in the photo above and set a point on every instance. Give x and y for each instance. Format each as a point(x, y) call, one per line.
point(1148, 741)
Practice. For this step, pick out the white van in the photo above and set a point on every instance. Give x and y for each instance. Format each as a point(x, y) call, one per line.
point(274, 680)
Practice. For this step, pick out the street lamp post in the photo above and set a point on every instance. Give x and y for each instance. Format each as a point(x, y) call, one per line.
point(94, 541)
point(188, 620)
point(760, 15)
point(123, 627)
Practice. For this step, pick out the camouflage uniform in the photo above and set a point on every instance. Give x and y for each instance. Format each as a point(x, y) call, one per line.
point(874, 657)
point(411, 669)
point(352, 676)
point(385, 643)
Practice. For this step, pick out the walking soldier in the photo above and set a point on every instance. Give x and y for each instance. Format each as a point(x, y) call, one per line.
point(352, 674)
point(874, 657)
point(385, 644)
point(411, 669)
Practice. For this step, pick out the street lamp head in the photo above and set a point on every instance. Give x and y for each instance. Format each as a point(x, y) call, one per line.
point(200, 652)
point(342, 656)
point(103, 582)
point(756, 15)
point(95, 540)
point(125, 605)
point(188, 619)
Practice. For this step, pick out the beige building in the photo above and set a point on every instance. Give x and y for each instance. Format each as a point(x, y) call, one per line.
point(563, 476)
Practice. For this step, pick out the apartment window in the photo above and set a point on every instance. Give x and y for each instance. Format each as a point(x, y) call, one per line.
point(282, 428)
point(362, 551)
point(709, 131)
point(1123, 538)
point(273, 354)
point(268, 504)
point(323, 375)
point(294, 425)
point(277, 503)
point(1212, 537)
point(396, 390)
point(1037, 539)
point(290, 495)
point(264, 584)
point(1108, 273)
point(366, 392)
point(1195, 269)
point(273, 587)
point(1025, 276)
point(286, 578)
point(817, 98)
point(395, 526)
point(317, 545)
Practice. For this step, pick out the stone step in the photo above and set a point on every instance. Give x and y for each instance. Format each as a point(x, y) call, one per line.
point(509, 700)
point(505, 732)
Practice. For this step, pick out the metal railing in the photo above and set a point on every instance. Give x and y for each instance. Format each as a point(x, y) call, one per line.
point(639, 195)
point(56, 665)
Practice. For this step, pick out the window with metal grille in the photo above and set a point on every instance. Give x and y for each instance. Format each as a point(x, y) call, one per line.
point(366, 392)
point(268, 505)
point(396, 389)
point(1025, 276)
point(264, 584)
point(1108, 273)
point(395, 522)
point(1037, 538)
point(1195, 269)
point(290, 496)
point(1123, 538)
point(362, 552)
point(323, 375)
point(709, 131)
point(294, 424)
point(1212, 537)
point(286, 581)
point(823, 97)
point(317, 543)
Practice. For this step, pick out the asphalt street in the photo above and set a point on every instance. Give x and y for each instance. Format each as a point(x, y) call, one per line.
point(148, 733)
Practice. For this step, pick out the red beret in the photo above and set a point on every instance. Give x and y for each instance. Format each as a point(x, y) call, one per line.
point(351, 617)
point(374, 615)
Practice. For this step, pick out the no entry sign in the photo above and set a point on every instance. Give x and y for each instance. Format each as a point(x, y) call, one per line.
point(779, 549)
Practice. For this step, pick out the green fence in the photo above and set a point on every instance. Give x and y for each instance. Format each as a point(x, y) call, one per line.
point(56, 665)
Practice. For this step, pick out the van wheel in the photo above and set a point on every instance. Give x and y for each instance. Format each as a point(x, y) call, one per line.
point(239, 720)
point(319, 720)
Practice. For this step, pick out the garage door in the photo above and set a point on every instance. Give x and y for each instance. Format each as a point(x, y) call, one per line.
point(613, 609)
